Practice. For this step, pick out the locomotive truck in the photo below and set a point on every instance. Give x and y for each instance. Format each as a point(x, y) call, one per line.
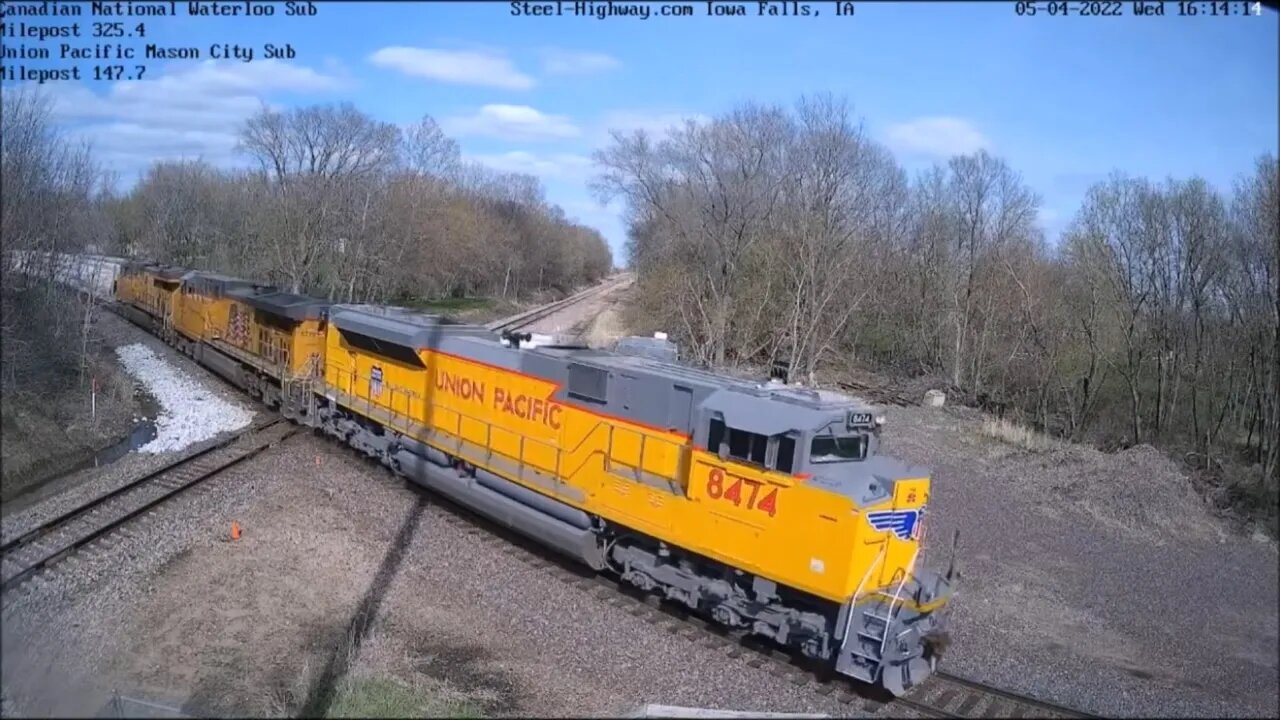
point(763, 506)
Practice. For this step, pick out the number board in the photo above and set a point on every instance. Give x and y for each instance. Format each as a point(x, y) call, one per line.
point(857, 419)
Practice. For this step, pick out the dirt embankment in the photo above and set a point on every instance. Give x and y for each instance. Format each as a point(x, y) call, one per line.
point(1108, 568)
point(62, 422)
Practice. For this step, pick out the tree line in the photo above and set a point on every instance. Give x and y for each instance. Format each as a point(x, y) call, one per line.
point(772, 233)
point(353, 209)
point(334, 203)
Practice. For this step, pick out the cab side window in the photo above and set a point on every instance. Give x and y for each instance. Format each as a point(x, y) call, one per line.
point(715, 435)
point(748, 446)
point(786, 456)
point(776, 453)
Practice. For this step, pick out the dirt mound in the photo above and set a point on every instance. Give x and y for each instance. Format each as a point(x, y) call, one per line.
point(1151, 460)
point(1139, 491)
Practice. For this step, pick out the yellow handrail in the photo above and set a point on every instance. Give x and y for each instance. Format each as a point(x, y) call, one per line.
point(352, 377)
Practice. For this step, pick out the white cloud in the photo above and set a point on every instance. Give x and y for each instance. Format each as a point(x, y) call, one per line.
point(193, 111)
point(461, 67)
point(936, 137)
point(554, 166)
point(511, 122)
point(570, 62)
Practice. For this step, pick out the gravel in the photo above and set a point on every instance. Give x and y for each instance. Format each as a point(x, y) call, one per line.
point(87, 484)
point(1093, 580)
point(65, 628)
point(190, 412)
point(572, 319)
point(460, 614)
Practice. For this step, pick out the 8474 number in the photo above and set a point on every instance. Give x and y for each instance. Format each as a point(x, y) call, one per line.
point(729, 488)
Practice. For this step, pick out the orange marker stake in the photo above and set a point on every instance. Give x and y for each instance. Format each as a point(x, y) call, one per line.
point(235, 530)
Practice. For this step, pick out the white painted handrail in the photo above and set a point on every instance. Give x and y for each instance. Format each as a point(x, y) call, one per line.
point(896, 595)
point(853, 602)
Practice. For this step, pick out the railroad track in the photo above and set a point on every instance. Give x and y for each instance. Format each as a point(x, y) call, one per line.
point(951, 696)
point(943, 695)
point(23, 557)
point(528, 317)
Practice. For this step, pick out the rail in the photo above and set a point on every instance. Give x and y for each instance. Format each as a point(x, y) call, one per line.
point(523, 319)
point(55, 539)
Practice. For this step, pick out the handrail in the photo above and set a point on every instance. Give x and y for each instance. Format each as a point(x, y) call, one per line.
point(853, 601)
point(896, 596)
point(353, 377)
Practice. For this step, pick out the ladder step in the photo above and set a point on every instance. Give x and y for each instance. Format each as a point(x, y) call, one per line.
point(858, 652)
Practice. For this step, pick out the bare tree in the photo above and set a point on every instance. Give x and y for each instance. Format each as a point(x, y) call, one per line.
point(47, 208)
point(317, 163)
point(715, 188)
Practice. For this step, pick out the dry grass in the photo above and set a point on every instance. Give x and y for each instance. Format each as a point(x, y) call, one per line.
point(366, 696)
point(604, 329)
point(1020, 436)
point(286, 701)
point(384, 679)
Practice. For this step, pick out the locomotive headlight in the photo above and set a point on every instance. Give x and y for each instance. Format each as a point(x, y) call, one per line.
point(879, 420)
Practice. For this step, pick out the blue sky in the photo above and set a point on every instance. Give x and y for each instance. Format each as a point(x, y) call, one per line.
point(1064, 100)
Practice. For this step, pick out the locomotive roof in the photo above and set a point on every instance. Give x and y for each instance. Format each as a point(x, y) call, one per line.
point(169, 272)
point(809, 398)
point(736, 396)
point(401, 326)
point(217, 281)
point(277, 302)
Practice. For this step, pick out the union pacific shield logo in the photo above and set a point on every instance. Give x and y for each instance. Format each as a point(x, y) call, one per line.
point(903, 523)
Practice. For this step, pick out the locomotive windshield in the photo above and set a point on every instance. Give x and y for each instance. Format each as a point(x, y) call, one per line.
point(830, 448)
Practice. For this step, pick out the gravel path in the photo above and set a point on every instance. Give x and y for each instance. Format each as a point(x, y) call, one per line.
point(1096, 581)
point(575, 318)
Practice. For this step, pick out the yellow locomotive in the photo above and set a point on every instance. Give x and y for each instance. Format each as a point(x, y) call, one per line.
point(763, 506)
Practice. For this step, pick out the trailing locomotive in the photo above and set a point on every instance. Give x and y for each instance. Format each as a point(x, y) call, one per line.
point(764, 506)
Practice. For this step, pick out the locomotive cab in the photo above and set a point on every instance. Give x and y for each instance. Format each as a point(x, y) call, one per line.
point(869, 506)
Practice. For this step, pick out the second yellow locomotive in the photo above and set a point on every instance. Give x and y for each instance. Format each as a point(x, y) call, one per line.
point(765, 506)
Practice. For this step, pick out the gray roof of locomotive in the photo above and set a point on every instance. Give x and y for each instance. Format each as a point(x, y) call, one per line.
point(212, 282)
point(169, 273)
point(403, 326)
point(277, 302)
point(416, 329)
point(647, 392)
point(812, 399)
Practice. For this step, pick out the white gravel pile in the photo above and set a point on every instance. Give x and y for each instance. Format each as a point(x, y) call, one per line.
point(189, 412)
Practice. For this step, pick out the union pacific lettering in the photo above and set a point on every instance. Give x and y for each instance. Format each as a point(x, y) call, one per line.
point(459, 386)
point(521, 405)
